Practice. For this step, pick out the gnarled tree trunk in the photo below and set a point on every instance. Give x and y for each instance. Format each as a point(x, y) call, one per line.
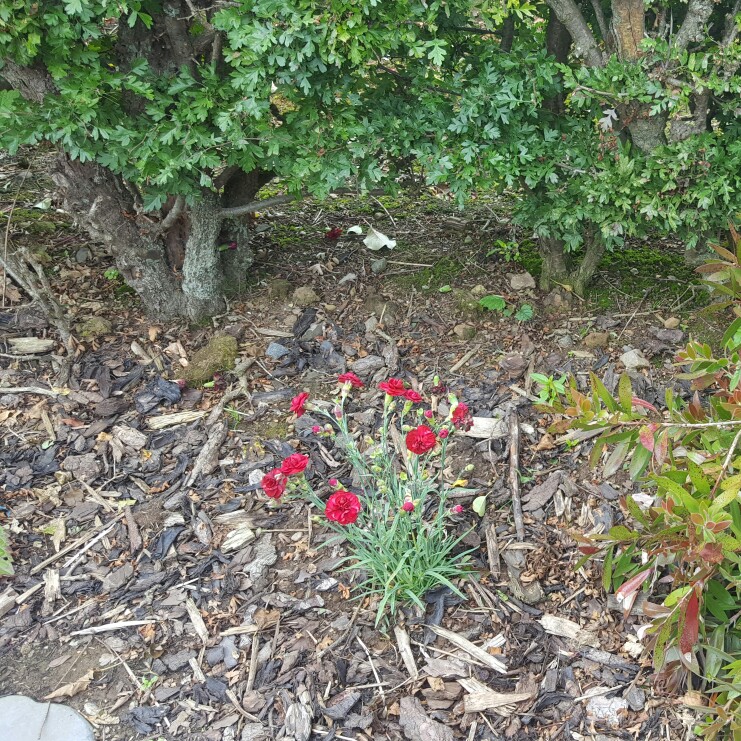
point(150, 248)
point(570, 272)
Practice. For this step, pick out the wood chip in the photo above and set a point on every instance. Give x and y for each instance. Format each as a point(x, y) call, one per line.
point(176, 418)
point(488, 428)
point(195, 617)
point(558, 626)
point(471, 649)
point(405, 649)
point(481, 698)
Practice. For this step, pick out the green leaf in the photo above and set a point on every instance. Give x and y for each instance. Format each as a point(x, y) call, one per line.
point(607, 570)
point(641, 458)
point(525, 313)
point(445, 289)
point(479, 505)
point(602, 393)
point(625, 393)
point(6, 563)
point(493, 303)
point(698, 478)
point(683, 497)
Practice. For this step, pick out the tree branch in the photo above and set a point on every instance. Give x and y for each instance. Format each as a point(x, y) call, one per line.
point(693, 27)
point(173, 214)
point(731, 30)
point(250, 208)
point(177, 33)
point(33, 83)
point(585, 44)
point(601, 21)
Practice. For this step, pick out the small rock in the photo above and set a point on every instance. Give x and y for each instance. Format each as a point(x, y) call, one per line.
point(117, 578)
point(83, 255)
point(671, 323)
point(635, 697)
point(305, 296)
point(367, 365)
point(521, 281)
point(83, 467)
point(672, 336)
point(23, 719)
point(314, 331)
point(514, 365)
point(566, 341)
point(177, 661)
point(370, 324)
point(330, 307)
point(465, 331)
point(279, 288)
point(378, 266)
point(215, 655)
point(479, 290)
point(597, 339)
point(219, 354)
point(467, 303)
point(95, 326)
point(230, 651)
point(255, 732)
point(634, 360)
point(276, 351)
point(556, 300)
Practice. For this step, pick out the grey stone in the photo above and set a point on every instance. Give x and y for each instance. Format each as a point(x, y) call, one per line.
point(479, 291)
point(117, 578)
point(465, 331)
point(378, 266)
point(276, 351)
point(565, 342)
point(83, 467)
point(255, 732)
point(672, 336)
point(382, 308)
point(521, 281)
point(634, 360)
point(215, 655)
point(305, 296)
point(279, 288)
point(636, 698)
point(231, 652)
point(83, 254)
point(371, 323)
point(314, 331)
point(367, 365)
point(179, 660)
point(24, 719)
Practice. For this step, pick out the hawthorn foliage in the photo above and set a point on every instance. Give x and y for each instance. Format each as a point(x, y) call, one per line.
point(609, 120)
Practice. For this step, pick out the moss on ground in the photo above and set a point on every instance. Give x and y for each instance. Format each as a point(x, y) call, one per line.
point(443, 273)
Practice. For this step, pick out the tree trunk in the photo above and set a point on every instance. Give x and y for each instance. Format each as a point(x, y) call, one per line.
point(101, 202)
point(559, 269)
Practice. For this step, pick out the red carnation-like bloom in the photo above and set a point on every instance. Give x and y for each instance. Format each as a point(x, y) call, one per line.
point(352, 379)
point(412, 395)
point(462, 418)
point(393, 387)
point(298, 403)
point(421, 440)
point(274, 483)
point(343, 507)
point(294, 464)
point(444, 433)
point(408, 506)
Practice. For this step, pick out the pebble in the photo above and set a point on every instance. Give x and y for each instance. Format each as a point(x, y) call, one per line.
point(566, 341)
point(521, 281)
point(367, 365)
point(231, 652)
point(636, 698)
point(634, 360)
point(671, 323)
point(479, 290)
point(465, 331)
point(276, 351)
point(83, 254)
point(378, 266)
point(305, 296)
point(215, 655)
point(179, 660)
point(597, 339)
point(23, 719)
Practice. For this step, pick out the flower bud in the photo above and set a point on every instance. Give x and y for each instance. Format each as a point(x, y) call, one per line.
point(469, 467)
point(443, 433)
point(408, 506)
point(316, 429)
point(457, 509)
point(333, 483)
point(428, 413)
point(338, 412)
point(436, 380)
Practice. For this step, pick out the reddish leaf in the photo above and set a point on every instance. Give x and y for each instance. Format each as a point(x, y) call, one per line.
point(334, 233)
point(661, 447)
point(642, 403)
point(588, 550)
point(691, 626)
point(712, 553)
point(646, 436)
point(632, 586)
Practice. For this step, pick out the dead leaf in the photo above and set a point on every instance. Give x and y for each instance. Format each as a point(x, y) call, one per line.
point(541, 494)
point(73, 688)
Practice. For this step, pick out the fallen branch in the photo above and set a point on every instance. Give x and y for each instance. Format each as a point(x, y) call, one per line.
point(514, 474)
